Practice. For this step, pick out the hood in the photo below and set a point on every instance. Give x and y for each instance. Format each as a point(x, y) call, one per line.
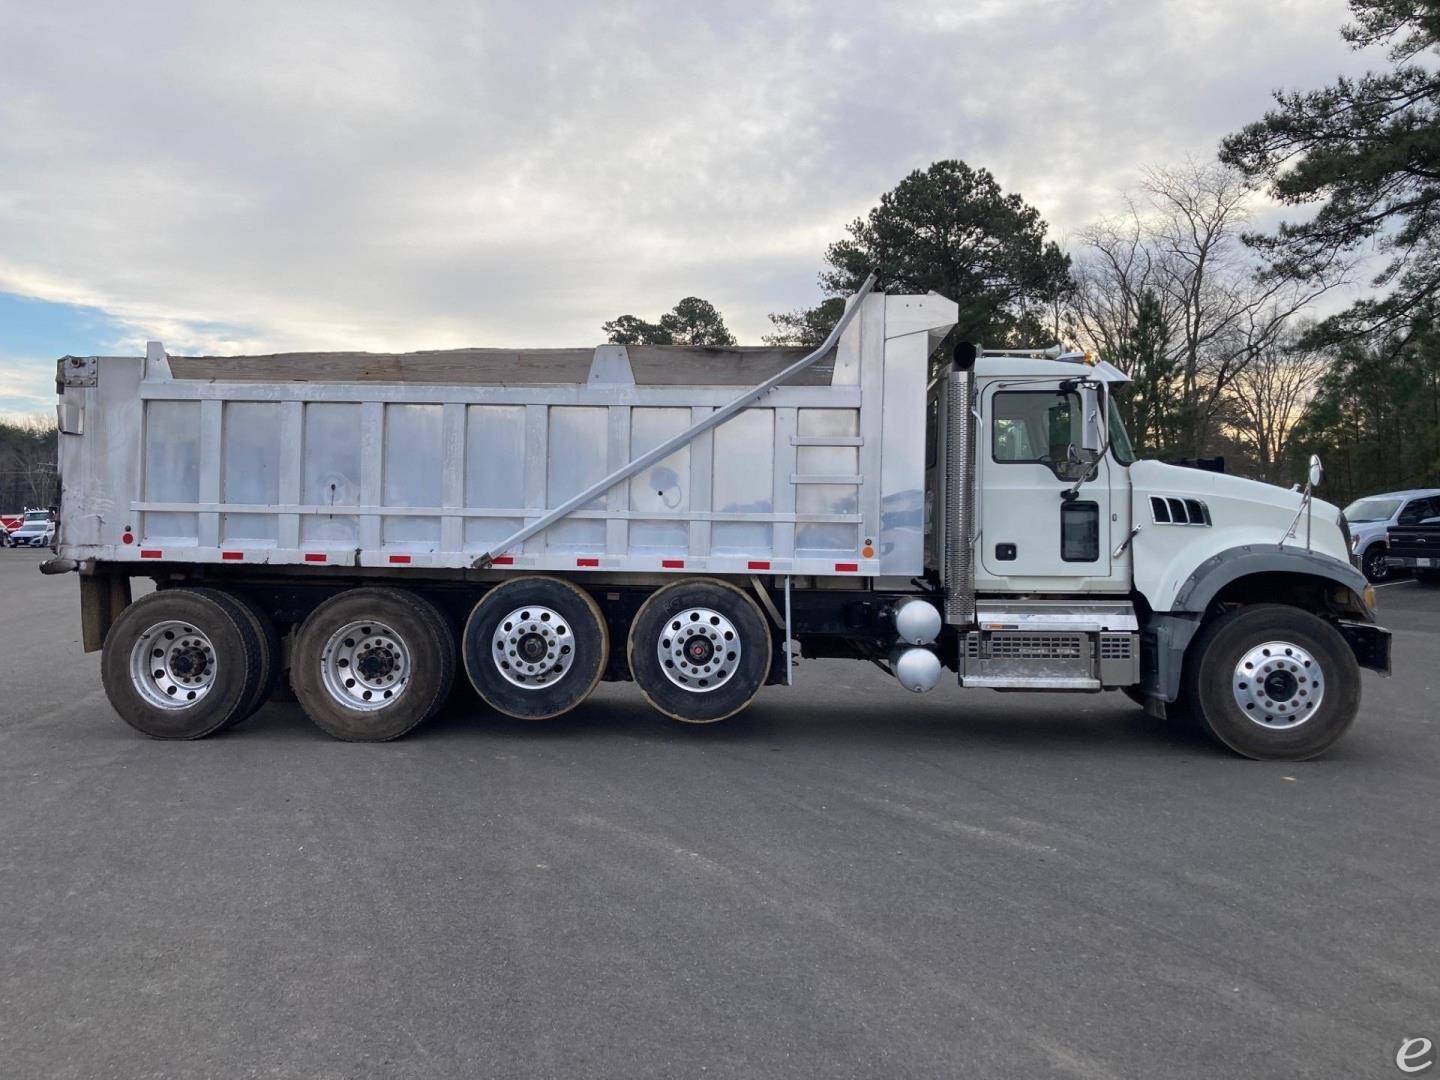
point(1236, 512)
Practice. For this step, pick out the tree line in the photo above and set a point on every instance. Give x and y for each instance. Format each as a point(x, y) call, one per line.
point(28, 477)
point(1232, 335)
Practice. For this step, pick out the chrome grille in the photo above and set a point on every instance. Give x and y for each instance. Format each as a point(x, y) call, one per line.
point(1030, 646)
point(1117, 646)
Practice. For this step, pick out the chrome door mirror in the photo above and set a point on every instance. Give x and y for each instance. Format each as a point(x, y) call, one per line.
point(1093, 431)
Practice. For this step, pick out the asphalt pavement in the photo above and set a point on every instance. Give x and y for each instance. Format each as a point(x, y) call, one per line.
point(843, 881)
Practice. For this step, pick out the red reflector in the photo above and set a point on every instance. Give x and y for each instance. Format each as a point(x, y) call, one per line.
point(503, 560)
point(399, 558)
point(759, 566)
point(314, 556)
point(127, 538)
point(149, 553)
point(843, 567)
point(232, 556)
point(587, 562)
point(672, 564)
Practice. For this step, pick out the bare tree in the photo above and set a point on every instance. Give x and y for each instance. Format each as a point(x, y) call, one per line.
point(1178, 250)
point(1269, 397)
point(28, 476)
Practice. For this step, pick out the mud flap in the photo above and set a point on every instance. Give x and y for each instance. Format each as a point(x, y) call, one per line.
point(102, 598)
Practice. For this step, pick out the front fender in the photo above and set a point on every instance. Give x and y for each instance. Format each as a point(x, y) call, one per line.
point(1167, 634)
point(1224, 567)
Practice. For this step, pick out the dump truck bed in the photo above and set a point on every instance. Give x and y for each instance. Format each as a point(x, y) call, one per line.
point(431, 459)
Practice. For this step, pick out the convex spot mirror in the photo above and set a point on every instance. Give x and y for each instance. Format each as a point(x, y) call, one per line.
point(1317, 471)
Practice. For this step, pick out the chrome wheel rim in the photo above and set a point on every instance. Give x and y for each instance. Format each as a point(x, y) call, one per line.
point(172, 665)
point(1278, 685)
point(365, 666)
point(533, 647)
point(699, 649)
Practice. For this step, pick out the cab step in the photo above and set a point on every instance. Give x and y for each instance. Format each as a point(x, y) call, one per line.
point(1039, 646)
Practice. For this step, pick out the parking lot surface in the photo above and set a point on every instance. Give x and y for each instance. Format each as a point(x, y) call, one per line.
point(843, 881)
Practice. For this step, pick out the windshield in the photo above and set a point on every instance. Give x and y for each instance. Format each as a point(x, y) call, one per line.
point(36, 515)
point(1119, 437)
point(1362, 510)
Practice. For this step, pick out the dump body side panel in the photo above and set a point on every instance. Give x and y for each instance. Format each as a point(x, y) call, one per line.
point(348, 462)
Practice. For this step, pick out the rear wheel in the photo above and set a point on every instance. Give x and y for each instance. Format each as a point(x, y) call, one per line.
point(268, 658)
point(699, 650)
point(372, 663)
point(535, 647)
point(181, 663)
point(1273, 682)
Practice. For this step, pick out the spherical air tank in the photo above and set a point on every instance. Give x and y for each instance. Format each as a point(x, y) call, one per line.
point(917, 622)
point(916, 669)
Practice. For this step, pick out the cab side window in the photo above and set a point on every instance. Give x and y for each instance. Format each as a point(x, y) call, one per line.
point(1417, 510)
point(1039, 427)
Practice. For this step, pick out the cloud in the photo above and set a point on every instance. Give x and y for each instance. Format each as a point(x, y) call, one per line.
point(373, 175)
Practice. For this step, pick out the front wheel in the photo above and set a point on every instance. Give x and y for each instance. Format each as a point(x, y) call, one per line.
point(1272, 682)
point(1374, 564)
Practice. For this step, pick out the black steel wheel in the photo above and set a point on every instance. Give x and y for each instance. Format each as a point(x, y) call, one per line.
point(181, 663)
point(370, 664)
point(1373, 564)
point(535, 647)
point(699, 650)
point(1272, 682)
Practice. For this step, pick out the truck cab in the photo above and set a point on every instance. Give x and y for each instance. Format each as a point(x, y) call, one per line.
point(1072, 565)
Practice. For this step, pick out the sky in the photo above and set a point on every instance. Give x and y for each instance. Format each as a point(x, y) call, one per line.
point(286, 176)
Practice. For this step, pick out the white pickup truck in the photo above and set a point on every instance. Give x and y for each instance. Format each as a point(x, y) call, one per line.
point(693, 519)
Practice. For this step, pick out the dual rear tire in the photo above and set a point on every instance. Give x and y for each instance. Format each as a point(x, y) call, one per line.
point(184, 663)
point(370, 664)
point(367, 665)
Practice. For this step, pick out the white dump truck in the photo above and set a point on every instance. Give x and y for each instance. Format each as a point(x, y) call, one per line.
point(694, 519)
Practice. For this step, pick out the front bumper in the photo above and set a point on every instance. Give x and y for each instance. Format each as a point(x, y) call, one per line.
point(1369, 643)
point(1412, 562)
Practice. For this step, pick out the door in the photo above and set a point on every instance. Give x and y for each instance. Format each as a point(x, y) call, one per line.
point(1030, 457)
